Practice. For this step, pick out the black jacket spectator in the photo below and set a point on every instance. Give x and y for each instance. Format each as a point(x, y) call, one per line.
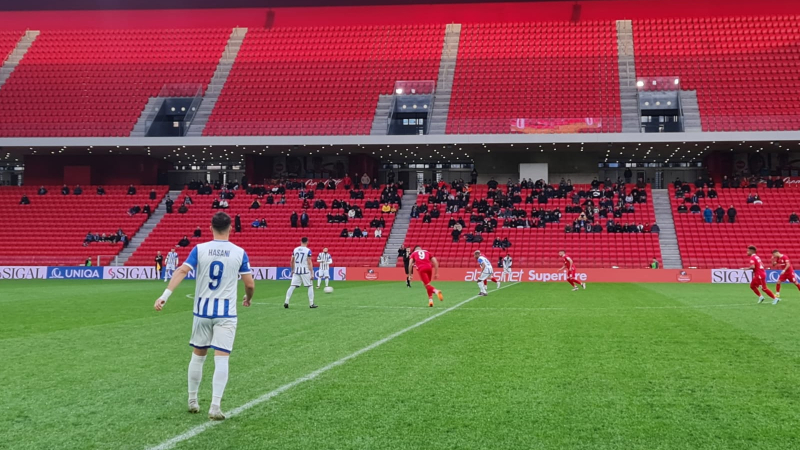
point(456, 234)
point(152, 194)
point(215, 204)
point(42, 191)
point(131, 190)
point(655, 229)
point(726, 183)
point(198, 232)
point(183, 209)
point(720, 214)
point(78, 190)
point(255, 204)
point(731, 214)
point(695, 209)
point(169, 204)
point(492, 184)
point(101, 190)
point(357, 233)
point(184, 242)
point(435, 213)
point(65, 190)
point(320, 204)
point(147, 210)
point(344, 233)
point(426, 218)
point(237, 224)
point(304, 220)
point(24, 200)
point(793, 218)
point(293, 219)
point(681, 209)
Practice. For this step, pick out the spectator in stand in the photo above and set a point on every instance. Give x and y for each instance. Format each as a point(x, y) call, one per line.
point(24, 200)
point(655, 228)
point(293, 219)
point(778, 182)
point(720, 213)
point(436, 212)
point(183, 209)
point(378, 233)
point(101, 190)
point(347, 181)
point(184, 242)
point(492, 184)
point(426, 218)
point(647, 228)
point(628, 175)
point(152, 194)
point(215, 204)
point(712, 193)
point(89, 239)
point(131, 190)
point(187, 200)
point(344, 233)
point(262, 223)
point(731, 214)
point(681, 209)
point(223, 204)
point(304, 220)
point(654, 264)
point(270, 199)
point(169, 204)
point(320, 204)
point(751, 198)
point(136, 209)
point(237, 224)
point(365, 179)
point(78, 190)
point(793, 218)
point(726, 183)
point(700, 183)
point(386, 208)
point(695, 209)
point(474, 176)
point(147, 210)
point(198, 232)
point(65, 190)
point(708, 215)
point(255, 223)
point(456, 233)
point(282, 200)
point(42, 191)
point(757, 200)
point(357, 232)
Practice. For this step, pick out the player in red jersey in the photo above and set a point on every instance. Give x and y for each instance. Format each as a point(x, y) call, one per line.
point(569, 267)
point(428, 268)
point(787, 273)
point(759, 275)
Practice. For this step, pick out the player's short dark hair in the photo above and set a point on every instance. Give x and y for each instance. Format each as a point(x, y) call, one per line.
point(304, 240)
point(417, 246)
point(752, 247)
point(776, 251)
point(221, 222)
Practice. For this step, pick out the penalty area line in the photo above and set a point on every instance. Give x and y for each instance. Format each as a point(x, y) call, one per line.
point(192, 432)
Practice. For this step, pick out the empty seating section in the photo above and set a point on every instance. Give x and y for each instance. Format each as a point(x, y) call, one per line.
point(321, 81)
point(96, 82)
point(8, 40)
point(51, 230)
point(744, 69)
point(724, 245)
point(539, 247)
point(561, 77)
point(271, 246)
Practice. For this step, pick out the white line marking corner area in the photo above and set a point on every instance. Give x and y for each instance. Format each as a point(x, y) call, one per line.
point(170, 443)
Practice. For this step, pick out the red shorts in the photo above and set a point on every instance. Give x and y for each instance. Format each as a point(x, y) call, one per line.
point(425, 275)
point(758, 282)
point(572, 273)
point(788, 276)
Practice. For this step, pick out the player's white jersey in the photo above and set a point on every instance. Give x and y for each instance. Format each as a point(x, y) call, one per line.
point(507, 262)
point(487, 266)
point(301, 256)
point(217, 266)
point(325, 260)
point(172, 260)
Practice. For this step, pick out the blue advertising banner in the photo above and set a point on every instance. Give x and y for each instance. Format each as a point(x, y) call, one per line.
point(74, 273)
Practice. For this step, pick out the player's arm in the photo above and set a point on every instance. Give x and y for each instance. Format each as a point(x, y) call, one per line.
point(249, 289)
point(786, 267)
point(174, 282)
point(435, 267)
point(311, 268)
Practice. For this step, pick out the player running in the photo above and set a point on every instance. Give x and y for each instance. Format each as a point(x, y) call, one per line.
point(217, 265)
point(428, 268)
point(302, 272)
point(759, 275)
point(569, 267)
point(507, 262)
point(172, 264)
point(325, 260)
point(487, 273)
point(787, 273)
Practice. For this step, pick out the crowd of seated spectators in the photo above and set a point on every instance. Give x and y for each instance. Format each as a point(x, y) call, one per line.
point(111, 238)
point(359, 233)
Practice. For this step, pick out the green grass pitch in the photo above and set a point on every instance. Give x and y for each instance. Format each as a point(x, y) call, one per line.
point(91, 365)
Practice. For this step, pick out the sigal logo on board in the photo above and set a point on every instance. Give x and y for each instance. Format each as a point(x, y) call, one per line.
point(342, 274)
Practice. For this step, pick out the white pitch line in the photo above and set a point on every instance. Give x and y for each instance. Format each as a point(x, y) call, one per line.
point(192, 432)
point(537, 308)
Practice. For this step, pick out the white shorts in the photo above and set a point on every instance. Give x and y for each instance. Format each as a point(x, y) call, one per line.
point(301, 279)
point(485, 276)
point(171, 268)
point(323, 273)
point(214, 333)
point(506, 270)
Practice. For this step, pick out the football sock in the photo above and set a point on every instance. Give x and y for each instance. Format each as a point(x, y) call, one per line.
point(289, 293)
point(480, 287)
point(220, 379)
point(326, 282)
point(195, 375)
point(778, 288)
point(310, 295)
point(319, 282)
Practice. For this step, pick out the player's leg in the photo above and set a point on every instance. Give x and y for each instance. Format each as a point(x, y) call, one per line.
point(754, 284)
point(201, 341)
point(307, 281)
point(425, 277)
point(327, 278)
point(766, 289)
point(295, 284)
point(319, 279)
point(495, 280)
point(224, 333)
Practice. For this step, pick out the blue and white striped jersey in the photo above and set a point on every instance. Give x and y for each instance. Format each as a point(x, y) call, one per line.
point(487, 266)
point(172, 259)
point(507, 262)
point(325, 260)
point(217, 266)
point(301, 256)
